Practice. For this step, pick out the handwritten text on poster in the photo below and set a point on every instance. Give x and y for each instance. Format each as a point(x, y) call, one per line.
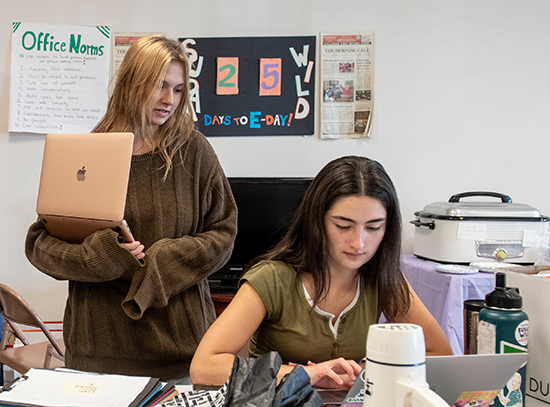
point(59, 77)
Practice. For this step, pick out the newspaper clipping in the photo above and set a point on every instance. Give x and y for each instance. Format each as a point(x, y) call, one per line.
point(347, 64)
point(123, 41)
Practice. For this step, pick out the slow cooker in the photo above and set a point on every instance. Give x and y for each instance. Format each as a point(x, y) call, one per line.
point(466, 231)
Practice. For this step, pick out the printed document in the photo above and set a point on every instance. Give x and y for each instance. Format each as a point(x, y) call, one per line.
point(53, 388)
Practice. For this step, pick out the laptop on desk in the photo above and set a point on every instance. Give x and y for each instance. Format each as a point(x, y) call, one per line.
point(451, 376)
point(83, 184)
point(448, 376)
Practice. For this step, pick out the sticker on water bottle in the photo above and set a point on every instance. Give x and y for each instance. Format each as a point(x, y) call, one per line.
point(522, 333)
point(486, 337)
point(507, 347)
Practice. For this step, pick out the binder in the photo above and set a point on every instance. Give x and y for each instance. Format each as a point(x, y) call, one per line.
point(62, 388)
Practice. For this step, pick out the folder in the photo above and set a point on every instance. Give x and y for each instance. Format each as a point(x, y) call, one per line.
point(62, 388)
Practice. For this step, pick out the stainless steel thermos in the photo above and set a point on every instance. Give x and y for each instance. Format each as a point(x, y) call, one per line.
point(471, 321)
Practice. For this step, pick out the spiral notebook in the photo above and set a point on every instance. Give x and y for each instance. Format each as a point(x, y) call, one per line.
point(83, 184)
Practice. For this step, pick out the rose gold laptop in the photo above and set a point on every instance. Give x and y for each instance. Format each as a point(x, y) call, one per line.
point(83, 184)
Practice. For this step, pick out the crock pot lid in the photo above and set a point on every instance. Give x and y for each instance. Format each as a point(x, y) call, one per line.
point(480, 209)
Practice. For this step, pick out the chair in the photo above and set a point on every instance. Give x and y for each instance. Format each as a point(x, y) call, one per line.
point(49, 354)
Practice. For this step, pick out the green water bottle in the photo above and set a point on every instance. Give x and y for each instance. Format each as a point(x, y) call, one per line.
point(504, 328)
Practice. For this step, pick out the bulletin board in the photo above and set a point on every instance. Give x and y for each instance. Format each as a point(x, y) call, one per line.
point(253, 86)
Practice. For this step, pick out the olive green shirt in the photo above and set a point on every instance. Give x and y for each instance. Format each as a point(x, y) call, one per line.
point(300, 334)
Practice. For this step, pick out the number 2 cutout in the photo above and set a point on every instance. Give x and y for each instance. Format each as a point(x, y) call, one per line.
point(270, 76)
point(228, 76)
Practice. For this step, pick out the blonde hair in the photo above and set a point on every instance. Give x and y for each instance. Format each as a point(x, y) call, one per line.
point(136, 86)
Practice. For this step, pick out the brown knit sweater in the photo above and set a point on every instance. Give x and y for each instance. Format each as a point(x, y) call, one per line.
point(151, 325)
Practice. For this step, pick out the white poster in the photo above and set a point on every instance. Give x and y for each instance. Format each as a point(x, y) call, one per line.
point(59, 77)
point(347, 67)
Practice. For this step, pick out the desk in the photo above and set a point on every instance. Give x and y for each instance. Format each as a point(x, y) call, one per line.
point(444, 294)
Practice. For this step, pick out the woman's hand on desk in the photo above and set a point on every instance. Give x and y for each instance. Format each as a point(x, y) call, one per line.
point(333, 374)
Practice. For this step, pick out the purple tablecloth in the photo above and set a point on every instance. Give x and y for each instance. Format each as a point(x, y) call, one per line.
point(444, 294)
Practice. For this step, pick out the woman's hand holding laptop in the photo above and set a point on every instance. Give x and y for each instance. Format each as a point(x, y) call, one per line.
point(135, 248)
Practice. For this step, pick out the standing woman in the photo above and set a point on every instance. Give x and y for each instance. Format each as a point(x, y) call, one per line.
point(141, 308)
point(313, 296)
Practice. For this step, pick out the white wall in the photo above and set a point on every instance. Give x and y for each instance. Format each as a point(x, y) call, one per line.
point(462, 101)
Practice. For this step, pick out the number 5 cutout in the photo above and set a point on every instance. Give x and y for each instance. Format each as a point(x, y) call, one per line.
point(270, 76)
point(228, 76)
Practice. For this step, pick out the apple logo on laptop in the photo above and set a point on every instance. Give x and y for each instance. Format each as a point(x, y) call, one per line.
point(81, 174)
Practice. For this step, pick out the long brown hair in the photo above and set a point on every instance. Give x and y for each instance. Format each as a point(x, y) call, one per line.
point(135, 87)
point(305, 245)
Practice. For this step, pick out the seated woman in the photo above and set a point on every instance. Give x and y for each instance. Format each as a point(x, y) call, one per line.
point(313, 296)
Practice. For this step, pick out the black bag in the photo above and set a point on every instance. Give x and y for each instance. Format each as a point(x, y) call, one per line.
point(253, 382)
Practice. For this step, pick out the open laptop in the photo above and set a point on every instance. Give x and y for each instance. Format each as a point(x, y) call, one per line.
point(451, 376)
point(83, 184)
point(448, 376)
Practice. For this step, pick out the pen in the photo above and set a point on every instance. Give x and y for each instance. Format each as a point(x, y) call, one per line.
point(13, 383)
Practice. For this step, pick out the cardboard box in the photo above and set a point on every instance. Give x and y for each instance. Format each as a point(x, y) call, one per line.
point(535, 291)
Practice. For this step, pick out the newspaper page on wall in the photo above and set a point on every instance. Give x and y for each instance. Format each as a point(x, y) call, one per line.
point(123, 41)
point(59, 77)
point(347, 67)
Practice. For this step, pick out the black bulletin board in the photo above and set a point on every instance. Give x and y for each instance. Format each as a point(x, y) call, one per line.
point(247, 113)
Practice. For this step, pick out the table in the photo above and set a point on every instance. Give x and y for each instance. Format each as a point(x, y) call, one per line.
point(444, 294)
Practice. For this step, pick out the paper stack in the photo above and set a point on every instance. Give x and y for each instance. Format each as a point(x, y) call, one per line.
point(64, 388)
